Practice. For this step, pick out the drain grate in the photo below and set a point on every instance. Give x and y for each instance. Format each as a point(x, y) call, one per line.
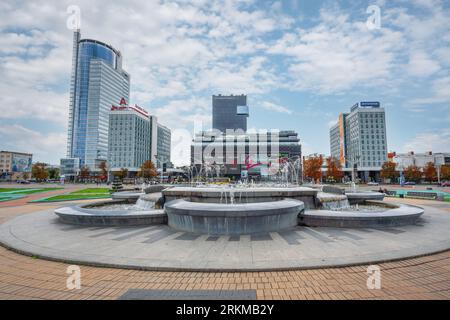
point(143, 294)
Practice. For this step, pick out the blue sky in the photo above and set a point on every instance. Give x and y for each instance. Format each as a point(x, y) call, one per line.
point(301, 63)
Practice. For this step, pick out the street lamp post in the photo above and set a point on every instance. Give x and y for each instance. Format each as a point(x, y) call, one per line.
point(353, 161)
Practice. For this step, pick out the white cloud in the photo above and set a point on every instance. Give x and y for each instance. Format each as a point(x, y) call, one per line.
point(438, 141)
point(338, 54)
point(331, 123)
point(275, 107)
point(440, 93)
point(420, 64)
point(44, 147)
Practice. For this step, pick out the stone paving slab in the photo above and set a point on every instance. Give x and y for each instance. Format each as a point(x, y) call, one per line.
point(162, 248)
point(142, 294)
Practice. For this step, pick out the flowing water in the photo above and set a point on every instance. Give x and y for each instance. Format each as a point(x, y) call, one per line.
point(140, 205)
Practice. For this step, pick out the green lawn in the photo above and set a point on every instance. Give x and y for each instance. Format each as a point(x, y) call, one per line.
point(26, 190)
point(7, 197)
point(83, 194)
point(92, 191)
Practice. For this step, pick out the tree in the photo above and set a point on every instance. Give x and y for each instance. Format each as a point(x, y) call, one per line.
point(38, 171)
point(103, 166)
point(313, 168)
point(388, 171)
point(25, 176)
point(445, 173)
point(413, 173)
point(53, 173)
point(148, 170)
point(430, 172)
point(84, 172)
point(122, 174)
point(334, 170)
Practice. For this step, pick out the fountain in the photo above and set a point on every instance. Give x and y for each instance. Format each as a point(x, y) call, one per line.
point(355, 196)
point(244, 207)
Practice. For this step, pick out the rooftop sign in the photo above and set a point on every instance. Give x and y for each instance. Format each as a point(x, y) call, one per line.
point(374, 104)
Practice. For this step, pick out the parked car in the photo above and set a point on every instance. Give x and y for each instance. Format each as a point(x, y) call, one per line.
point(445, 184)
point(23, 181)
point(372, 183)
point(410, 183)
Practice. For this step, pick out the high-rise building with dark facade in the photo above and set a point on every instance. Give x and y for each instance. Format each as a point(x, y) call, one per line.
point(229, 112)
point(97, 82)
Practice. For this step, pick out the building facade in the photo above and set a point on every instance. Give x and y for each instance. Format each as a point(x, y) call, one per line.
point(97, 82)
point(359, 140)
point(229, 112)
point(254, 154)
point(130, 135)
point(69, 168)
point(404, 160)
point(13, 164)
point(135, 137)
point(163, 146)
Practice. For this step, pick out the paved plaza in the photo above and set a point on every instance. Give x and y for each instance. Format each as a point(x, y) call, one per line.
point(160, 247)
point(426, 277)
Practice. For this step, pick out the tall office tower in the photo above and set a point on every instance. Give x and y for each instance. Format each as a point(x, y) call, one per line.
point(229, 112)
point(163, 145)
point(358, 140)
point(130, 136)
point(97, 82)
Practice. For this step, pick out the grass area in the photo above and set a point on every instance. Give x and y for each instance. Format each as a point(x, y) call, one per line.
point(26, 190)
point(7, 194)
point(71, 197)
point(5, 197)
point(83, 194)
point(92, 191)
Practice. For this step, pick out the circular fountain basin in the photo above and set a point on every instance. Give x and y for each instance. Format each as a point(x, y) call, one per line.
point(389, 215)
point(233, 219)
point(93, 215)
point(332, 200)
point(360, 197)
point(241, 195)
point(129, 196)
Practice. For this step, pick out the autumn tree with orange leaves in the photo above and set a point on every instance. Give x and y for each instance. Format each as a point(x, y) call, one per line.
point(413, 173)
point(430, 172)
point(334, 170)
point(313, 168)
point(445, 172)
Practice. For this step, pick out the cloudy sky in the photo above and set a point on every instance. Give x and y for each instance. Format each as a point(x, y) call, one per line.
point(300, 62)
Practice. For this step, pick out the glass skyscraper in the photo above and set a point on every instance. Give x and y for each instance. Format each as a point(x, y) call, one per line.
point(97, 82)
point(229, 112)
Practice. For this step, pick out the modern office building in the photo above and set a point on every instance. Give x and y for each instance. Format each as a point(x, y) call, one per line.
point(69, 168)
point(358, 140)
point(97, 82)
point(135, 137)
point(253, 154)
point(229, 112)
point(13, 164)
point(163, 146)
point(129, 137)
